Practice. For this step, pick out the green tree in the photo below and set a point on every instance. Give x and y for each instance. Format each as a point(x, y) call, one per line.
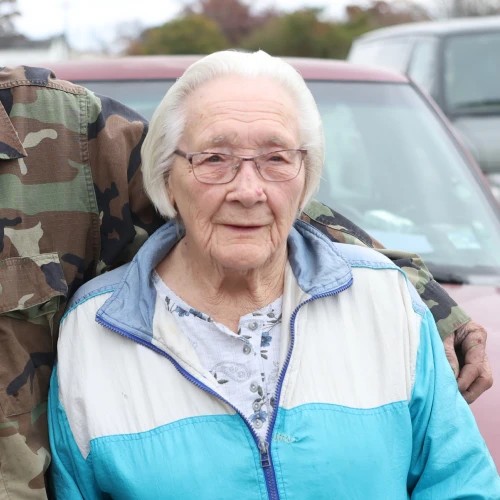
point(302, 34)
point(209, 25)
point(190, 34)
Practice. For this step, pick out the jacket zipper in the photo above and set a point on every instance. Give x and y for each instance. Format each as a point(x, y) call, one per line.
point(264, 447)
point(266, 462)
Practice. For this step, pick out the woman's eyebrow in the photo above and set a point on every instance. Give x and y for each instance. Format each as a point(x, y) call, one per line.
point(220, 140)
point(278, 140)
point(233, 141)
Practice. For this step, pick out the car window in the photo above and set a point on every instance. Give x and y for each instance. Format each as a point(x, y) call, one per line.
point(423, 64)
point(142, 96)
point(393, 168)
point(391, 53)
point(472, 73)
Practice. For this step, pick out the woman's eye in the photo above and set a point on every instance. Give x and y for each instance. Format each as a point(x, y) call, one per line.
point(276, 158)
point(214, 159)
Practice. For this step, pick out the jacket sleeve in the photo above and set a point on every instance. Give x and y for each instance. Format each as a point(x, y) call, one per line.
point(127, 217)
point(449, 459)
point(447, 314)
point(71, 473)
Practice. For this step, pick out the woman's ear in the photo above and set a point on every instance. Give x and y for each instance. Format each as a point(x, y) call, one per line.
point(302, 197)
point(171, 197)
point(170, 194)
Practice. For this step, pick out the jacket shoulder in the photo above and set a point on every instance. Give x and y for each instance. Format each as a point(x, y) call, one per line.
point(360, 256)
point(105, 283)
point(368, 258)
point(25, 76)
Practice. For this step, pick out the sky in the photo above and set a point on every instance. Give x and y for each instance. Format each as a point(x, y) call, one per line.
point(94, 24)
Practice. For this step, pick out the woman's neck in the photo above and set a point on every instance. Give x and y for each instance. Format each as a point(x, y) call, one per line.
point(223, 294)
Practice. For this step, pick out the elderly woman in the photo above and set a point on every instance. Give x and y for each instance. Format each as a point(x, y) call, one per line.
point(242, 354)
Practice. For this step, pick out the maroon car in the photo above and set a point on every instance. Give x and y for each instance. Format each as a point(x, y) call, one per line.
point(393, 165)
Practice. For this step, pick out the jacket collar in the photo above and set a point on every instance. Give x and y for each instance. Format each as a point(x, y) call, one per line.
point(316, 265)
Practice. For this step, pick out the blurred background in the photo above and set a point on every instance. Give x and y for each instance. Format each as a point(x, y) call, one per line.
point(31, 30)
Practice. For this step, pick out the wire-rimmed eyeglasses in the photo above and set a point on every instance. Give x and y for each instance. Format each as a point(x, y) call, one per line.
point(221, 168)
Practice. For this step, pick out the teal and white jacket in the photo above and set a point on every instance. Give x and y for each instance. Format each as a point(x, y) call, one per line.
point(368, 405)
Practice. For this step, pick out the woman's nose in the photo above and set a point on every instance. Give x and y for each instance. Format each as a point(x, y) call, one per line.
point(248, 185)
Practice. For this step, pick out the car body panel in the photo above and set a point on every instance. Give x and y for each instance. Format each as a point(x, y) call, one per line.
point(481, 134)
point(482, 302)
point(165, 67)
point(446, 27)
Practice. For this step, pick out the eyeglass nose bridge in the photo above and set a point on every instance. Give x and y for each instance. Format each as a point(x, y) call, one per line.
point(236, 168)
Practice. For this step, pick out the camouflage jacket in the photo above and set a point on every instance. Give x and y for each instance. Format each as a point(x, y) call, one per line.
point(72, 206)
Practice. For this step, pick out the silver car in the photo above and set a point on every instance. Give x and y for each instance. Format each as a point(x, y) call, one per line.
point(458, 63)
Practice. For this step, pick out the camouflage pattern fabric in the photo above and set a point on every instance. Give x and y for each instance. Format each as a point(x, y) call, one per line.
point(72, 206)
point(446, 312)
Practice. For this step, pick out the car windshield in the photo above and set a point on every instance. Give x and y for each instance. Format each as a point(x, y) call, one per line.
point(472, 73)
point(392, 168)
point(141, 95)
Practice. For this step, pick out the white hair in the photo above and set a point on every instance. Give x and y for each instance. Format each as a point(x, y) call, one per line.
point(169, 120)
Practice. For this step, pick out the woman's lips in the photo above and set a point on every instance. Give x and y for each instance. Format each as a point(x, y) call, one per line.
point(237, 227)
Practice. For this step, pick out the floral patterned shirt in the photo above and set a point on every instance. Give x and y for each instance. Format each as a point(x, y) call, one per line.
point(244, 363)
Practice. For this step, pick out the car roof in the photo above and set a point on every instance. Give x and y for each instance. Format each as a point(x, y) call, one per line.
point(172, 66)
point(440, 28)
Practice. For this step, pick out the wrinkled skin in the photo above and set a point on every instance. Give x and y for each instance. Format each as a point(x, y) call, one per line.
point(466, 353)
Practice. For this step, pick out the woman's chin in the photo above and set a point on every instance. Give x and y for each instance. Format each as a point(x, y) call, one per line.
point(241, 260)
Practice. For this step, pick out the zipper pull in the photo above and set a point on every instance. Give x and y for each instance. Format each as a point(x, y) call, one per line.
point(264, 454)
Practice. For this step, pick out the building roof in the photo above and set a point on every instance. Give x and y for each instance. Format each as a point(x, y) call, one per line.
point(18, 41)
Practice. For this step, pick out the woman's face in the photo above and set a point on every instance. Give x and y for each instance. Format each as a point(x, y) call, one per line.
point(244, 224)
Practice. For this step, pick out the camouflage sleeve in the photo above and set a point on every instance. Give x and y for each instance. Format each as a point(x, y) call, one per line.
point(447, 314)
point(127, 217)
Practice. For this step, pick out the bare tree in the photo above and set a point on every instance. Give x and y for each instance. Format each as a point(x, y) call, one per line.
point(8, 10)
point(384, 13)
point(235, 18)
